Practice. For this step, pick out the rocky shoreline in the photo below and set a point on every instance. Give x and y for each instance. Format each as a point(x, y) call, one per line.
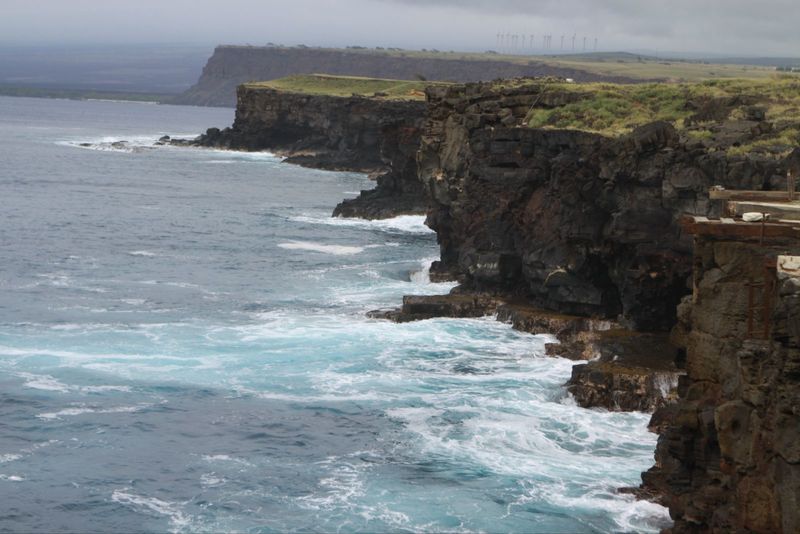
point(578, 235)
point(625, 370)
point(590, 225)
point(372, 135)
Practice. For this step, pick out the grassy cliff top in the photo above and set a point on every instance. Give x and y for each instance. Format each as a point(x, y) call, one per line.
point(648, 68)
point(344, 86)
point(719, 113)
point(633, 66)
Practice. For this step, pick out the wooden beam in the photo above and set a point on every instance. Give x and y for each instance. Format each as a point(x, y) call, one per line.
point(739, 229)
point(732, 194)
point(776, 210)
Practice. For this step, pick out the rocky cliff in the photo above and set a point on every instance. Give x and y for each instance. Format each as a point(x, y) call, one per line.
point(571, 221)
point(363, 134)
point(589, 224)
point(230, 66)
point(728, 458)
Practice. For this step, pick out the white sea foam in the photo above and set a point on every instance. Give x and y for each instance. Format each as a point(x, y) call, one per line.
point(151, 505)
point(49, 383)
point(127, 144)
point(343, 485)
point(115, 101)
point(11, 478)
point(412, 224)
point(383, 513)
point(422, 276)
point(44, 382)
point(665, 382)
point(61, 280)
point(81, 410)
point(233, 156)
point(211, 480)
point(337, 250)
point(225, 458)
point(145, 253)
point(13, 457)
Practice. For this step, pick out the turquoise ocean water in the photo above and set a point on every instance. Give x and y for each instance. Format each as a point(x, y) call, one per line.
point(183, 348)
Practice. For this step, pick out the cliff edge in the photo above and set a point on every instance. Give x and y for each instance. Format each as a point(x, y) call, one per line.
point(570, 196)
point(337, 123)
point(728, 457)
point(231, 66)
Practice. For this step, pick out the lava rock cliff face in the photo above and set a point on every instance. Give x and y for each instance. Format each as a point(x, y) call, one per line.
point(374, 135)
point(728, 458)
point(571, 221)
point(230, 66)
point(589, 225)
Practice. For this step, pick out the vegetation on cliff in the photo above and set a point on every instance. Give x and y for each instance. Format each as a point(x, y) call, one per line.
point(712, 112)
point(345, 86)
point(610, 64)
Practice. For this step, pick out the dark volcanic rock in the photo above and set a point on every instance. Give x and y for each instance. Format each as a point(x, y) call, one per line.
point(630, 371)
point(728, 458)
point(634, 372)
point(571, 221)
point(338, 133)
point(420, 307)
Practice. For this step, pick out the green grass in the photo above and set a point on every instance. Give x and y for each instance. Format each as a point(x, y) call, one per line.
point(344, 86)
point(614, 109)
point(625, 65)
point(660, 69)
point(778, 145)
point(633, 66)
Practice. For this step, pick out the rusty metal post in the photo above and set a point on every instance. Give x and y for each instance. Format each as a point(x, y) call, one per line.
point(770, 282)
point(750, 288)
point(766, 312)
point(696, 271)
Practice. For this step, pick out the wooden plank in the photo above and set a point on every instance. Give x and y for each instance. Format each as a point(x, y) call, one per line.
point(746, 231)
point(786, 211)
point(732, 194)
point(739, 229)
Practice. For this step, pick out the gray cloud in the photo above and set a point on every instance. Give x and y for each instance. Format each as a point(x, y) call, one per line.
point(718, 26)
point(722, 26)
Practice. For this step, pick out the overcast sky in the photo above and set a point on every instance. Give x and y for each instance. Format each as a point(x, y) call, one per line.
point(751, 27)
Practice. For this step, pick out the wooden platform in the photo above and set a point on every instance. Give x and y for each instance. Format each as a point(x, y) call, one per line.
point(764, 196)
point(789, 211)
point(732, 228)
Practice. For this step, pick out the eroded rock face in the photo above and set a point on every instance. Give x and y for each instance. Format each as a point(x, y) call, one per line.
point(632, 372)
point(629, 371)
point(571, 221)
point(360, 134)
point(728, 458)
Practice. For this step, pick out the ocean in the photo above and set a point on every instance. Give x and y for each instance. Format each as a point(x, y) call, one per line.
point(184, 348)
